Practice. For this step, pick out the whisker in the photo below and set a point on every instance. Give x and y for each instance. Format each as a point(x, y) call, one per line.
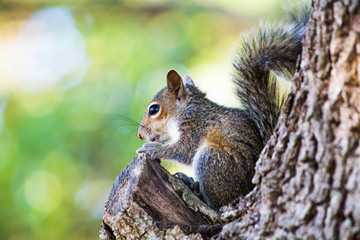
point(122, 122)
point(129, 121)
point(145, 128)
point(131, 133)
point(145, 98)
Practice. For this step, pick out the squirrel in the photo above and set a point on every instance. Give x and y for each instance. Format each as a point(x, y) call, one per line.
point(223, 144)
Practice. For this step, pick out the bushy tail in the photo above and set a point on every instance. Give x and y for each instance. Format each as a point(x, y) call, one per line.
point(270, 52)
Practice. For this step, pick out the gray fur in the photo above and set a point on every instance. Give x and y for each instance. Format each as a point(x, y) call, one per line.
point(223, 144)
point(271, 50)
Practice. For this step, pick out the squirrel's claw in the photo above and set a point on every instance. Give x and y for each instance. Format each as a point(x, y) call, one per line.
point(140, 150)
point(150, 149)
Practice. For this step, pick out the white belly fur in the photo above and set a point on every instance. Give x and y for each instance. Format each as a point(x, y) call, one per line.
point(173, 131)
point(197, 158)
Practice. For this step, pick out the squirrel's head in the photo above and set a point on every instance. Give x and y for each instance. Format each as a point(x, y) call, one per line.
point(159, 123)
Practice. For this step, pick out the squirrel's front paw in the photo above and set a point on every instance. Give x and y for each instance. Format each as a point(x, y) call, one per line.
point(151, 149)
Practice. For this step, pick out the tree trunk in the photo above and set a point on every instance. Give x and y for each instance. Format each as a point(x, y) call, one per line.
point(308, 176)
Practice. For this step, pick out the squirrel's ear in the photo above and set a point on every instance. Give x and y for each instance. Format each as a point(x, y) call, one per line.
point(175, 85)
point(188, 81)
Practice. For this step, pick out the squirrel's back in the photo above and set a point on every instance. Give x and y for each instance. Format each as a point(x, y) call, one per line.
point(265, 54)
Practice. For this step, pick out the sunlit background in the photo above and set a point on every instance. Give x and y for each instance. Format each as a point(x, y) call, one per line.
point(72, 76)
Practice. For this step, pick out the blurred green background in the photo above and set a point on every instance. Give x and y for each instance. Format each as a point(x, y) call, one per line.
point(72, 76)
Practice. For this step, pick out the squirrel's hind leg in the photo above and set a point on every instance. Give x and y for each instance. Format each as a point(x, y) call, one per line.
point(221, 175)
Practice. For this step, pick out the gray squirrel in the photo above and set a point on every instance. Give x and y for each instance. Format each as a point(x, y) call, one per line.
point(223, 144)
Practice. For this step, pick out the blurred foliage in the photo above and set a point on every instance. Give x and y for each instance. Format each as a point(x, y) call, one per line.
point(61, 147)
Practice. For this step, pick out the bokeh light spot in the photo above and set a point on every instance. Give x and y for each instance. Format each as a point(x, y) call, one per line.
point(93, 195)
point(43, 191)
point(48, 49)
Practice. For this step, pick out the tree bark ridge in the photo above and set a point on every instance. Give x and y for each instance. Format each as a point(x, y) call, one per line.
point(308, 174)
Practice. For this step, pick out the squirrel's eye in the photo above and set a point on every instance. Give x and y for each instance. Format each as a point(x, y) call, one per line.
point(154, 109)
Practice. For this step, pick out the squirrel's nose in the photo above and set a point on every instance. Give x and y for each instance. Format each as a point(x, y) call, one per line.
point(139, 136)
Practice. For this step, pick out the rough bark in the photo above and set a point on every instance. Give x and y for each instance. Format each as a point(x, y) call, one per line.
point(144, 204)
point(308, 177)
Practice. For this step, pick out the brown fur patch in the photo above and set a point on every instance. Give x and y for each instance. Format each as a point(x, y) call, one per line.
point(216, 138)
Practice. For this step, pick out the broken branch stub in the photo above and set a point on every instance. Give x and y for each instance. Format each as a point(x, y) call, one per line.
point(143, 203)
